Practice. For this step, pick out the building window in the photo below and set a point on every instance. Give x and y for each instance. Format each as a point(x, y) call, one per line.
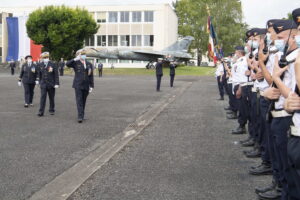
point(113, 17)
point(113, 40)
point(124, 16)
point(90, 41)
point(101, 40)
point(148, 15)
point(101, 17)
point(148, 40)
point(124, 40)
point(136, 40)
point(136, 16)
point(112, 60)
point(101, 61)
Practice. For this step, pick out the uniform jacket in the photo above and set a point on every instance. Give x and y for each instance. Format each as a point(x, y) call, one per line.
point(84, 77)
point(61, 65)
point(100, 66)
point(48, 75)
point(12, 65)
point(172, 70)
point(28, 74)
point(159, 69)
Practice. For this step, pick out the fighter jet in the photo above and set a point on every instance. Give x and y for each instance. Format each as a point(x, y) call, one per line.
point(177, 52)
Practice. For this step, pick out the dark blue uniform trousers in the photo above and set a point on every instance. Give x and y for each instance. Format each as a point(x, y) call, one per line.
point(254, 116)
point(279, 131)
point(158, 81)
point(243, 107)
point(220, 86)
point(232, 100)
point(263, 137)
point(51, 93)
point(81, 96)
point(294, 167)
point(28, 92)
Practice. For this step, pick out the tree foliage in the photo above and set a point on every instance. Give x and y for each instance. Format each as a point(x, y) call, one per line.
point(226, 17)
point(61, 30)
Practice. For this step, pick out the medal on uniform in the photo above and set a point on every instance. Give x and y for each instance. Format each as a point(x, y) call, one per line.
point(90, 71)
point(33, 69)
point(50, 69)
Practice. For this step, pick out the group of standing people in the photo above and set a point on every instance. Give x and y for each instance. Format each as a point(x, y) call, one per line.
point(159, 73)
point(262, 81)
point(46, 74)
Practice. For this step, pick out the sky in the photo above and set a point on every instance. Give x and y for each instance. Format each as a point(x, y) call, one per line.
point(256, 12)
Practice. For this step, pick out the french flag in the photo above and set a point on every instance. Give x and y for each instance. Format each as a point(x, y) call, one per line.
point(19, 44)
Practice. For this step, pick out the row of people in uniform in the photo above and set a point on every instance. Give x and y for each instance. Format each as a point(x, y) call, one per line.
point(262, 82)
point(46, 75)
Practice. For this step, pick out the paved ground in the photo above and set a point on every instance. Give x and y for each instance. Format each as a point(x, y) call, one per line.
point(185, 153)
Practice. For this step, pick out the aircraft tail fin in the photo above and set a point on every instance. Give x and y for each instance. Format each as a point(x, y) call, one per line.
point(181, 45)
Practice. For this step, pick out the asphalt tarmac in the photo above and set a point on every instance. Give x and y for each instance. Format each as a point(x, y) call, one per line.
point(186, 151)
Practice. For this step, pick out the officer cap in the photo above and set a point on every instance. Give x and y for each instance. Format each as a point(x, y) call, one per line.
point(271, 22)
point(296, 16)
point(239, 48)
point(81, 51)
point(45, 54)
point(29, 56)
point(259, 31)
point(283, 25)
point(249, 33)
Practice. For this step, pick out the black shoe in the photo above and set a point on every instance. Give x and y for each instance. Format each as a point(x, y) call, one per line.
point(261, 170)
point(239, 130)
point(221, 99)
point(51, 113)
point(40, 114)
point(31, 105)
point(265, 189)
point(233, 116)
point(271, 194)
point(80, 120)
point(246, 140)
point(249, 143)
point(229, 112)
point(227, 108)
point(25, 105)
point(253, 154)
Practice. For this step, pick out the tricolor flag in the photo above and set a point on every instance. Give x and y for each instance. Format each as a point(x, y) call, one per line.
point(212, 50)
point(19, 44)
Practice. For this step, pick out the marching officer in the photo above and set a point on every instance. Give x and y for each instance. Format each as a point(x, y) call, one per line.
point(172, 73)
point(49, 81)
point(12, 66)
point(29, 77)
point(159, 73)
point(83, 81)
point(61, 66)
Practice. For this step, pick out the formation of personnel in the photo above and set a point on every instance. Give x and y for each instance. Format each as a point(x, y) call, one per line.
point(159, 73)
point(262, 81)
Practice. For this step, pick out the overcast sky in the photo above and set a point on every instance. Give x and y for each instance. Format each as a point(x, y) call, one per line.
point(256, 12)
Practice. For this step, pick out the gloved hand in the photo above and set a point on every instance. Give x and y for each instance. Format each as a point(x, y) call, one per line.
point(19, 83)
point(77, 58)
point(56, 86)
point(37, 82)
point(91, 90)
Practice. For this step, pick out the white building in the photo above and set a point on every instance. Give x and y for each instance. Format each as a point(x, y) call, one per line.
point(143, 27)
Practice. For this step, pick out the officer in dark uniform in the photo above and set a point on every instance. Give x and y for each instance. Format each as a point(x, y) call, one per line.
point(172, 73)
point(49, 81)
point(159, 73)
point(29, 77)
point(61, 66)
point(83, 81)
point(12, 66)
point(100, 69)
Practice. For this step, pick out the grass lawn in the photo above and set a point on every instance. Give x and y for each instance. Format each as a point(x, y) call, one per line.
point(181, 71)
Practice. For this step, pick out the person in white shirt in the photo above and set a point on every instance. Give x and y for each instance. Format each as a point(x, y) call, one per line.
point(220, 79)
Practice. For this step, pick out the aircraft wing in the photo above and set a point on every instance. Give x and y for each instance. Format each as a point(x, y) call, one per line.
point(156, 53)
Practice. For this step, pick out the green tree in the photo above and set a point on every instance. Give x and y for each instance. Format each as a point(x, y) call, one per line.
point(227, 20)
point(60, 29)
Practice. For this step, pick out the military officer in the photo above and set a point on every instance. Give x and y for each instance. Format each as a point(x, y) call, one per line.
point(172, 73)
point(49, 81)
point(83, 81)
point(12, 66)
point(159, 73)
point(100, 69)
point(238, 80)
point(29, 77)
point(219, 76)
point(61, 66)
